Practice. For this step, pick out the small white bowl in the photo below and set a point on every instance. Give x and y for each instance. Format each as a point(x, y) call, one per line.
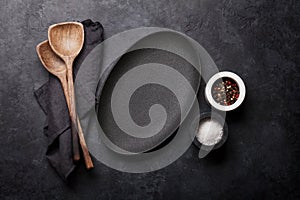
point(225, 74)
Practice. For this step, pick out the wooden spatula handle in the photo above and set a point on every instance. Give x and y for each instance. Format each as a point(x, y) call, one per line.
point(75, 143)
point(72, 111)
point(85, 151)
point(86, 155)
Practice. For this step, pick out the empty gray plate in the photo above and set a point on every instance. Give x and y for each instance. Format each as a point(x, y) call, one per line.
point(143, 98)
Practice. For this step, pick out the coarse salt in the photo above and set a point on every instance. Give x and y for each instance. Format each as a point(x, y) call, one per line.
point(210, 132)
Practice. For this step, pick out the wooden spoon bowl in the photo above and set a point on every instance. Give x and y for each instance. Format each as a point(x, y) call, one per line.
point(66, 39)
point(54, 64)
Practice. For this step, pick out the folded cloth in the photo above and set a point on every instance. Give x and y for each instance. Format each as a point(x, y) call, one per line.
point(51, 98)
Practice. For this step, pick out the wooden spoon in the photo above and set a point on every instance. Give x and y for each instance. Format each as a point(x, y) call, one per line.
point(57, 67)
point(66, 40)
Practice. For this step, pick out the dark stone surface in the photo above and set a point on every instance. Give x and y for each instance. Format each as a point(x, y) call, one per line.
point(257, 39)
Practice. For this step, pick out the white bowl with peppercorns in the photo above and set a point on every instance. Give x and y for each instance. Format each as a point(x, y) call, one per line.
point(225, 91)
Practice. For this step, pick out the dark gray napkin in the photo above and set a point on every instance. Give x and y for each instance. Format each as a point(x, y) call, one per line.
point(51, 98)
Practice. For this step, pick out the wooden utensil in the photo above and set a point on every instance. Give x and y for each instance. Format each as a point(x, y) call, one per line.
point(66, 40)
point(56, 66)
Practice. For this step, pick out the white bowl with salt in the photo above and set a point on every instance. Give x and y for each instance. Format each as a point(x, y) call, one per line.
point(211, 131)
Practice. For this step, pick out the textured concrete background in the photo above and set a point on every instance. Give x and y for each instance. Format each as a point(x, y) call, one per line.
point(258, 39)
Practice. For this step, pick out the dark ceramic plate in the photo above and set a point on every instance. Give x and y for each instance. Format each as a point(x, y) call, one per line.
point(143, 98)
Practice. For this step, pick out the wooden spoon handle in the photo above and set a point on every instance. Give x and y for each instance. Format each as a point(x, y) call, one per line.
point(73, 116)
point(64, 83)
point(75, 144)
point(86, 155)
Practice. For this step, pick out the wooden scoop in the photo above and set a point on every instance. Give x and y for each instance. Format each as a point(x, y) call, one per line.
point(57, 67)
point(66, 40)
